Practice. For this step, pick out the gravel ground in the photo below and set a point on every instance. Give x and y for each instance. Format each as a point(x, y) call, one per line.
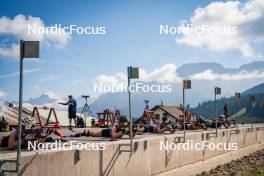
point(252, 165)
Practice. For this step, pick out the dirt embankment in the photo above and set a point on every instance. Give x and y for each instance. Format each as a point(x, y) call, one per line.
point(252, 165)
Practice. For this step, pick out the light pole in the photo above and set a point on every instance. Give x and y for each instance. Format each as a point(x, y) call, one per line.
point(187, 84)
point(237, 98)
point(253, 103)
point(262, 104)
point(28, 49)
point(20, 105)
point(132, 73)
point(217, 92)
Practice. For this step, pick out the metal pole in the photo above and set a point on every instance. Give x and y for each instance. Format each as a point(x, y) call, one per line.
point(215, 116)
point(262, 102)
point(253, 105)
point(236, 113)
point(20, 108)
point(130, 116)
point(183, 103)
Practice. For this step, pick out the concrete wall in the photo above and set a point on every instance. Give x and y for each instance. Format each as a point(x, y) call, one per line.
point(147, 159)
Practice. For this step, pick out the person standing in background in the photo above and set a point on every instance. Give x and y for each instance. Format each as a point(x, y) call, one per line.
point(72, 110)
point(226, 111)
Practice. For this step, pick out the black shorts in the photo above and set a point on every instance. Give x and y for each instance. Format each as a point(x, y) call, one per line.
point(149, 129)
point(106, 132)
point(5, 141)
point(72, 115)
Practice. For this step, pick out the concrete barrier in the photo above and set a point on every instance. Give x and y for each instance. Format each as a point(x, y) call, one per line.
point(172, 157)
point(191, 156)
point(146, 159)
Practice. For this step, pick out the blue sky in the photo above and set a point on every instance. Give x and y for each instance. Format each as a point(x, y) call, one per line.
point(132, 38)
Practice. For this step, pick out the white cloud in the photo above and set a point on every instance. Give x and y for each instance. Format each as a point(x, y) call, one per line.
point(77, 81)
point(166, 73)
point(12, 52)
point(18, 28)
point(66, 63)
point(52, 77)
point(15, 74)
point(37, 88)
point(58, 99)
point(54, 95)
point(112, 80)
point(49, 105)
point(210, 75)
point(2, 95)
point(207, 75)
point(28, 105)
point(247, 17)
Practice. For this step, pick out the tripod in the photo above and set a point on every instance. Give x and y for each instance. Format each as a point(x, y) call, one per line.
point(86, 109)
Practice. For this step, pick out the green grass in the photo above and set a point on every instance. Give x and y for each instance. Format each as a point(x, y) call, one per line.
point(258, 171)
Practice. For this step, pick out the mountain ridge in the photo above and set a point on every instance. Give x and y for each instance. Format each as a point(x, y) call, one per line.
point(189, 69)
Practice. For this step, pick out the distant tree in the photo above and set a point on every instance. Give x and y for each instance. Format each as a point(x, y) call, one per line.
point(207, 108)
